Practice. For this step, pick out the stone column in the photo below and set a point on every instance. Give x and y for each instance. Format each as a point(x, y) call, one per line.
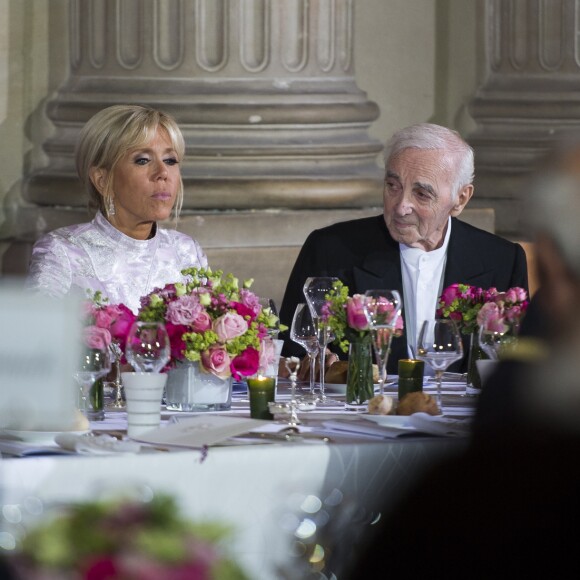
point(529, 99)
point(264, 91)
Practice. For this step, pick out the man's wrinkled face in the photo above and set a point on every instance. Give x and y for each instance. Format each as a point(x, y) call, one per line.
point(419, 197)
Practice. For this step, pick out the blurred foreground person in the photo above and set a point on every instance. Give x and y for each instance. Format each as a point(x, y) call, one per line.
point(509, 505)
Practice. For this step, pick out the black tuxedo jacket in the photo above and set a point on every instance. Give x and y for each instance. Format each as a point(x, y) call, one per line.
point(364, 256)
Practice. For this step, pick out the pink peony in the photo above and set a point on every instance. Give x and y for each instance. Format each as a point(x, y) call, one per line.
point(216, 360)
point(243, 310)
point(249, 299)
point(175, 333)
point(96, 337)
point(183, 310)
point(105, 316)
point(355, 315)
point(229, 326)
point(245, 364)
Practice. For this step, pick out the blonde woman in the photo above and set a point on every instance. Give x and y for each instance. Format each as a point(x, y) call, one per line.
point(128, 160)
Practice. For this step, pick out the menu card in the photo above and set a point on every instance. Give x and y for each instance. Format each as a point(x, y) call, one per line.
point(39, 347)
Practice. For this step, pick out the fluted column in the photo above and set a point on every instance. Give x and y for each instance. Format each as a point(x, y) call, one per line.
point(264, 91)
point(530, 98)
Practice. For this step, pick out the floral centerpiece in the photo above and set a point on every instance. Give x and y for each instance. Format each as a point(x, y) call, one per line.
point(105, 327)
point(126, 540)
point(472, 307)
point(213, 321)
point(105, 324)
point(346, 318)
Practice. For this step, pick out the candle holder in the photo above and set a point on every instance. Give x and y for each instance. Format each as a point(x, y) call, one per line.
point(261, 392)
point(410, 376)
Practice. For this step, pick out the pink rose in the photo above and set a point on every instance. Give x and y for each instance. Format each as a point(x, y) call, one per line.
point(201, 321)
point(490, 317)
point(216, 361)
point(450, 294)
point(105, 316)
point(245, 364)
point(243, 310)
point(96, 337)
point(122, 324)
point(355, 315)
point(229, 326)
point(176, 342)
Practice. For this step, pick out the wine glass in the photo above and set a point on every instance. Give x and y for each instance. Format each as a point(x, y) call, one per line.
point(316, 290)
point(439, 345)
point(94, 364)
point(382, 308)
point(148, 349)
point(496, 339)
point(303, 331)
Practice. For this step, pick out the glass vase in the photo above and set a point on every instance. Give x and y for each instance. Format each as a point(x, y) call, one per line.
point(96, 401)
point(189, 388)
point(473, 385)
point(359, 381)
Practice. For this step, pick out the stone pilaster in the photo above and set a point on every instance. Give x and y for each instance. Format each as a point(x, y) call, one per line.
point(264, 91)
point(530, 97)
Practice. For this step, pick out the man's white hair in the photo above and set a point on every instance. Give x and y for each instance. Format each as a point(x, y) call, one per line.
point(431, 136)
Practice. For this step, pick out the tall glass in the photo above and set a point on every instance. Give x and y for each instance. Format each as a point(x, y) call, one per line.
point(382, 309)
point(304, 332)
point(94, 364)
point(439, 345)
point(316, 290)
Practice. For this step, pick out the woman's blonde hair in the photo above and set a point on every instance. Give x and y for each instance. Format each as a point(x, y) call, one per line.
point(110, 134)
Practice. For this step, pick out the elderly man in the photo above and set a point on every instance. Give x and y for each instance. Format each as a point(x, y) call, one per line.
point(417, 246)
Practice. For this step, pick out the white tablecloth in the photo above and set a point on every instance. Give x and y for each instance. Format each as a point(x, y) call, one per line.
point(264, 491)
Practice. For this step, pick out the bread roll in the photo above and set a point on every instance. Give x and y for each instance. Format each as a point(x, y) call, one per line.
point(417, 402)
point(336, 373)
point(381, 405)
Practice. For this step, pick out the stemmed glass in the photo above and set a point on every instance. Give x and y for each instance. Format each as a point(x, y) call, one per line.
point(94, 363)
point(148, 349)
point(497, 339)
point(303, 331)
point(315, 290)
point(439, 345)
point(117, 354)
point(382, 308)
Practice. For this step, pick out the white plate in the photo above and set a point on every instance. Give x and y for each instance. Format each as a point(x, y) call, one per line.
point(340, 388)
point(36, 437)
point(400, 421)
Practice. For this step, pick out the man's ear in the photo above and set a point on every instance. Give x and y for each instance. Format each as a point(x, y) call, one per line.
point(98, 178)
point(462, 199)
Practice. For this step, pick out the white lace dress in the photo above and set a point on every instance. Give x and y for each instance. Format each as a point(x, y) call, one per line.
point(96, 256)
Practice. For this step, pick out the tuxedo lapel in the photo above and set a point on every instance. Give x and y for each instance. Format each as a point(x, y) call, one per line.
point(382, 269)
point(464, 264)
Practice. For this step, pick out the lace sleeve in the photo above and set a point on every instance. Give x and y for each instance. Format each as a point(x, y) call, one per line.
point(50, 270)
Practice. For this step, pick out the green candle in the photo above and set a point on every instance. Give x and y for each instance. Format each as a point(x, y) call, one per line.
point(261, 391)
point(410, 376)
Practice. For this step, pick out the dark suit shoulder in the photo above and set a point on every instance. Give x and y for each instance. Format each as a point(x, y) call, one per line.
point(477, 235)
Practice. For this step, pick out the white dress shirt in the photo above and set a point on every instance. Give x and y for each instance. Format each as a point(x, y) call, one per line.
point(422, 285)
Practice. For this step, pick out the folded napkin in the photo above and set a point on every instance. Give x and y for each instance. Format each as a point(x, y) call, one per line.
point(96, 445)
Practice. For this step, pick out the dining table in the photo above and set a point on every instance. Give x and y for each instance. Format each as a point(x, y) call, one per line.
point(297, 499)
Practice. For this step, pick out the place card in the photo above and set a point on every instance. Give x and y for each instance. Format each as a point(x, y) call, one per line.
point(195, 432)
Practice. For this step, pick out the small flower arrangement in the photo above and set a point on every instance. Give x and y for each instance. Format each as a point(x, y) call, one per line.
point(105, 323)
point(126, 540)
point(346, 318)
point(471, 306)
point(213, 321)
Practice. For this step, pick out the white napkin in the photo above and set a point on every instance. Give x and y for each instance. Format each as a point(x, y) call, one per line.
point(438, 425)
point(96, 445)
